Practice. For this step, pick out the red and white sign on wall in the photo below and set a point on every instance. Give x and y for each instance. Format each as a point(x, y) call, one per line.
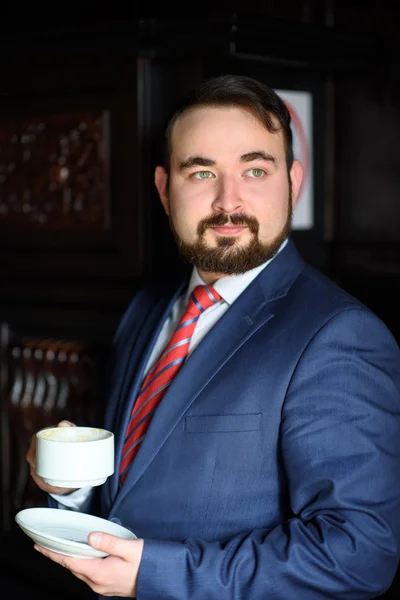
point(300, 108)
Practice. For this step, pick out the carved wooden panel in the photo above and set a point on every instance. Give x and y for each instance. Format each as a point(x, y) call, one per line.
point(54, 172)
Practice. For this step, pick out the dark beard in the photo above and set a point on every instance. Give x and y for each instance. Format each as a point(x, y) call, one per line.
point(225, 258)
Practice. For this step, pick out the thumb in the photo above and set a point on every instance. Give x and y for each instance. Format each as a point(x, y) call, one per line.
point(111, 544)
point(66, 424)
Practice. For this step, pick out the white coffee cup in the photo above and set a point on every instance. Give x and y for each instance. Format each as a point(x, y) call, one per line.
point(74, 457)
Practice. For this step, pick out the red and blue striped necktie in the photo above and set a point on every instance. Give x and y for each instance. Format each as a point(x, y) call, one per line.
point(161, 375)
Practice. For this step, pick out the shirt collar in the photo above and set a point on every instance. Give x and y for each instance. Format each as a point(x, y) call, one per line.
point(231, 286)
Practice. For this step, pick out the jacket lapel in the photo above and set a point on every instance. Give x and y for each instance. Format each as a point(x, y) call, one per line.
point(247, 314)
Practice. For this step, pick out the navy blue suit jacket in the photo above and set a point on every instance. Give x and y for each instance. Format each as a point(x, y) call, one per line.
point(271, 468)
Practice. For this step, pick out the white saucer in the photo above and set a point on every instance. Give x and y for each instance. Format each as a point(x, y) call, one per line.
point(66, 531)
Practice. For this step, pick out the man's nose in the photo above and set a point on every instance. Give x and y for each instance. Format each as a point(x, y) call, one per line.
point(228, 197)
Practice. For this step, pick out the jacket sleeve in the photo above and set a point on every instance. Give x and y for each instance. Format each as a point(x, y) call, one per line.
point(340, 448)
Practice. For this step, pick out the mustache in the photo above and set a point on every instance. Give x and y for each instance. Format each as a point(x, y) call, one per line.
point(220, 219)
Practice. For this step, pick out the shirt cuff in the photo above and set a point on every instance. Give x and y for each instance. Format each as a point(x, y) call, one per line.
point(76, 500)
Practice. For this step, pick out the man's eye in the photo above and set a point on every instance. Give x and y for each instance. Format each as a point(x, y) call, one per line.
point(202, 175)
point(256, 173)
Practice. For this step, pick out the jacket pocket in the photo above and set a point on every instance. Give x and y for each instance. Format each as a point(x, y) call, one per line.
point(222, 423)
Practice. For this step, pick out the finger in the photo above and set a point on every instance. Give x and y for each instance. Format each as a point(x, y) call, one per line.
point(113, 545)
point(45, 487)
point(31, 454)
point(82, 577)
point(76, 565)
point(65, 423)
point(61, 559)
point(99, 589)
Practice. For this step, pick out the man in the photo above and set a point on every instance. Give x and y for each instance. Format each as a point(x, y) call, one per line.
point(257, 419)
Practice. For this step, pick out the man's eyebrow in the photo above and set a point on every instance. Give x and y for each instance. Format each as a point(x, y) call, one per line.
point(202, 161)
point(196, 161)
point(258, 155)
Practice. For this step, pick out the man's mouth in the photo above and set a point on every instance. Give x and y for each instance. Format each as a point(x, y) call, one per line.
point(229, 229)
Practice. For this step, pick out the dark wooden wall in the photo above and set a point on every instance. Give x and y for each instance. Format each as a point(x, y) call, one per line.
point(75, 283)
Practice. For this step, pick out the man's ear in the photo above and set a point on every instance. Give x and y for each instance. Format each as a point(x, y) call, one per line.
point(161, 181)
point(296, 179)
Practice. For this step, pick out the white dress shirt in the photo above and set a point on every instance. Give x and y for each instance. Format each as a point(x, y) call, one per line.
point(229, 288)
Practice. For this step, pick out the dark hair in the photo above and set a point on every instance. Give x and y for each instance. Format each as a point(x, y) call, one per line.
point(237, 90)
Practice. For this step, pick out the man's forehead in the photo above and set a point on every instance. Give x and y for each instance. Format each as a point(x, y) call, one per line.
point(230, 129)
point(198, 114)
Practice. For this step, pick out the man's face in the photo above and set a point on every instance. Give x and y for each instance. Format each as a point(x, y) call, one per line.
point(228, 195)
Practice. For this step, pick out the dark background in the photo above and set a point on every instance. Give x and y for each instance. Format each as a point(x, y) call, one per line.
point(134, 60)
point(135, 63)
